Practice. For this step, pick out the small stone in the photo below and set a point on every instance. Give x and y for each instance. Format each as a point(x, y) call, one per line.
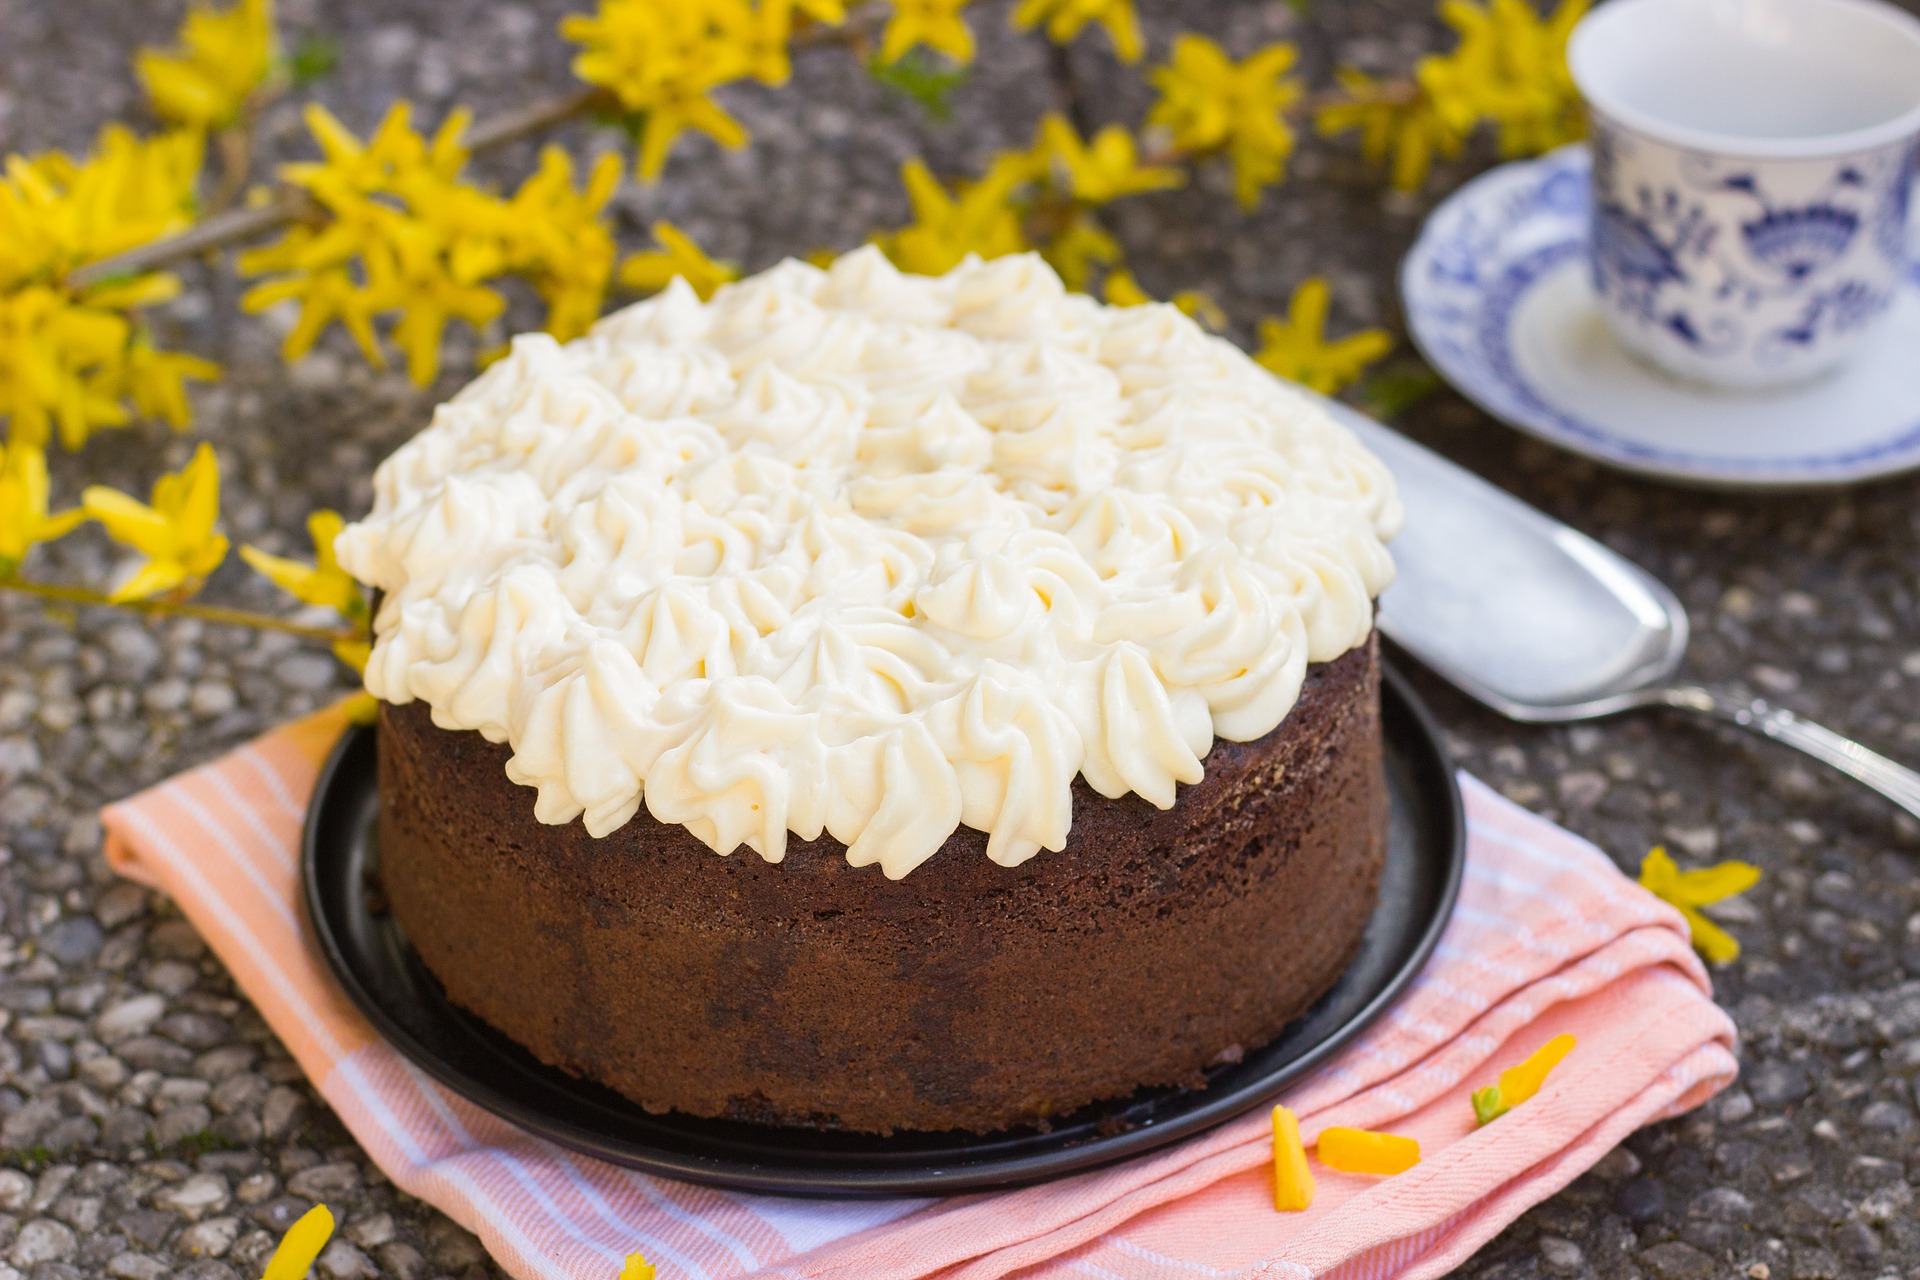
point(1640, 1200)
point(227, 1060)
point(1759, 1271)
point(1677, 1261)
point(147, 1227)
point(326, 1182)
point(195, 1197)
point(1617, 1164)
point(42, 1240)
point(1858, 1241)
point(195, 1030)
point(311, 672)
point(172, 978)
point(181, 1089)
point(251, 1251)
point(1887, 1117)
point(1891, 1202)
point(73, 940)
point(105, 1073)
point(1775, 1084)
point(452, 1247)
point(136, 1266)
point(127, 1129)
point(1561, 1254)
point(120, 903)
point(371, 1231)
point(1826, 1130)
point(15, 1189)
point(133, 650)
point(153, 1053)
point(237, 1091)
point(212, 698)
point(177, 1124)
point(402, 1261)
point(341, 1261)
point(82, 1213)
point(125, 1019)
point(281, 1212)
point(1816, 1264)
point(209, 1239)
point(256, 1187)
point(1721, 1204)
point(1733, 1106)
point(72, 1132)
point(24, 1127)
point(281, 1112)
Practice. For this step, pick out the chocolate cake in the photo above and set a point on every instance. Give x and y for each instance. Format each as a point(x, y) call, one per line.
point(880, 702)
point(967, 996)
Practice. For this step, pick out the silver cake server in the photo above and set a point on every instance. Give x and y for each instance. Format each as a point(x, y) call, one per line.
point(1544, 624)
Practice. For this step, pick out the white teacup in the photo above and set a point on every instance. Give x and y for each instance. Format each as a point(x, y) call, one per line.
point(1752, 166)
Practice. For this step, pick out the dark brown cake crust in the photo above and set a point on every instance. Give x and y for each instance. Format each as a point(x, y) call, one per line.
point(967, 995)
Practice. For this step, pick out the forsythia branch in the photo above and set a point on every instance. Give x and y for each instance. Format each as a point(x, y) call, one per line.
point(289, 204)
point(179, 608)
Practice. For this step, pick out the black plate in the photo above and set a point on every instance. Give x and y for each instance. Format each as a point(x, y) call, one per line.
point(1425, 855)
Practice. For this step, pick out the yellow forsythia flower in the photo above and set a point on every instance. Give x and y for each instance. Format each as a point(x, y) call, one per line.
point(1520, 1082)
point(1292, 1179)
point(637, 1268)
point(1297, 347)
point(156, 380)
point(678, 256)
point(323, 582)
point(560, 239)
point(407, 237)
point(57, 214)
point(1363, 1151)
point(69, 358)
point(176, 532)
point(300, 1246)
point(1212, 104)
point(1066, 18)
point(1123, 290)
point(1688, 891)
point(1105, 170)
point(223, 56)
point(1509, 67)
point(24, 519)
point(976, 217)
point(1394, 121)
point(936, 24)
point(661, 58)
point(1074, 250)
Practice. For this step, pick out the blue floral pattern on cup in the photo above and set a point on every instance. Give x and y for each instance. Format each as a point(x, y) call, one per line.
point(1744, 272)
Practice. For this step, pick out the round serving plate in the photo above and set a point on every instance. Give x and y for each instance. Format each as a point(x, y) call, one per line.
point(1426, 851)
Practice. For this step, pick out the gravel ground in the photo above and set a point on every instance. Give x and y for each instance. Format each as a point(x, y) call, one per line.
point(153, 1126)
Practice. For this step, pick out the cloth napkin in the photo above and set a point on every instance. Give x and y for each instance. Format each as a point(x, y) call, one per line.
point(1547, 937)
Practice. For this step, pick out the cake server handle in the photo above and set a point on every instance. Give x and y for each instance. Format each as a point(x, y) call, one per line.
point(1894, 781)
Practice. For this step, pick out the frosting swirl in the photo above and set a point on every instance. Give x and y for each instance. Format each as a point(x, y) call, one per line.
point(868, 554)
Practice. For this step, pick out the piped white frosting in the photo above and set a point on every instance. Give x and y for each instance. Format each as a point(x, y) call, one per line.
point(870, 554)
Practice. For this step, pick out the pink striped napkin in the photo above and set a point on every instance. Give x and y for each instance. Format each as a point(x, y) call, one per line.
point(1548, 937)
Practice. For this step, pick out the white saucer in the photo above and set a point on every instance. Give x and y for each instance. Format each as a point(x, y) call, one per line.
point(1499, 302)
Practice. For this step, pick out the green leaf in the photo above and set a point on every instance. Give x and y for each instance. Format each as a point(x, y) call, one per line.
point(314, 58)
point(928, 78)
point(1488, 1104)
point(1391, 392)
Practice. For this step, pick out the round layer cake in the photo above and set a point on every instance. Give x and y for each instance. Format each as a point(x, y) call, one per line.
point(880, 702)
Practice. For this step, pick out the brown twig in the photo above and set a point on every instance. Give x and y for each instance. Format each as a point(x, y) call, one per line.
point(181, 608)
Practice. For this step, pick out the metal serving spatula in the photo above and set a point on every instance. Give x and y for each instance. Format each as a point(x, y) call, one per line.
point(1544, 624)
